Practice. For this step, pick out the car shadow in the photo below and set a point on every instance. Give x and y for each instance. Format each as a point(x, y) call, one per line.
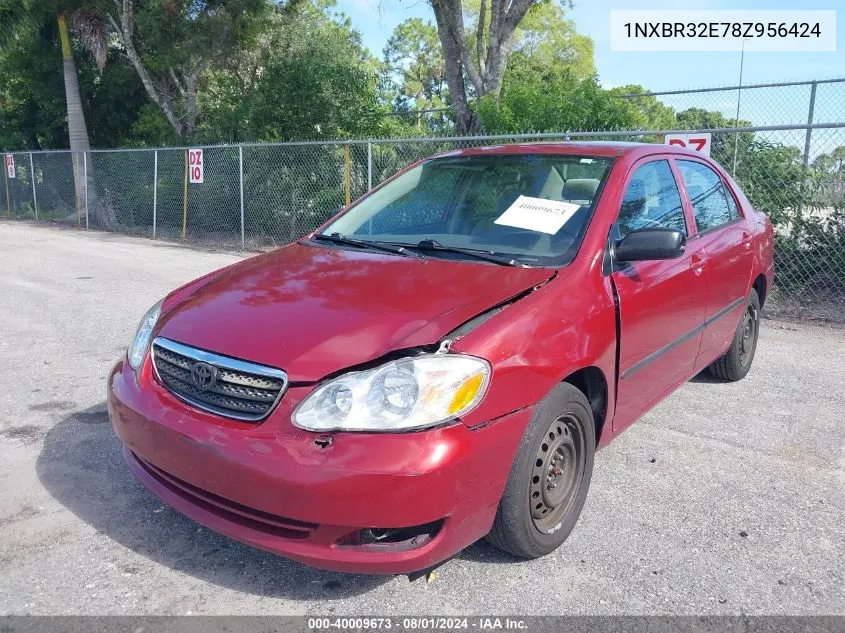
point(705, 377)
point(482, 552)
point(81, 466)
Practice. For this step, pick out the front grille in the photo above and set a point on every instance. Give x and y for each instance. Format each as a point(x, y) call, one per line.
point(227, 386)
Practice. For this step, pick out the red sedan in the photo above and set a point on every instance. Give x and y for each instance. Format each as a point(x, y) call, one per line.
point(441, 360)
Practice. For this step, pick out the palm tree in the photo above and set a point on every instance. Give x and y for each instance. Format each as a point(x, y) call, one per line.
point(54, 18)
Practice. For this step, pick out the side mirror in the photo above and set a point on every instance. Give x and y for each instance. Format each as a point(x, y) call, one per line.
point(647, 244)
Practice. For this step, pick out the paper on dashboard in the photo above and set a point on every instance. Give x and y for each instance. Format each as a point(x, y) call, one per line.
point(537, 214)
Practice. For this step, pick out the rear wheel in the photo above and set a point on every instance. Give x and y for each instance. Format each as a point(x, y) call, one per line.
point(550, 476)
point(736, 363)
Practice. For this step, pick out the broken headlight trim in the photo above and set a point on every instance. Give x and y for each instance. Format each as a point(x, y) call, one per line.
point(401, 395)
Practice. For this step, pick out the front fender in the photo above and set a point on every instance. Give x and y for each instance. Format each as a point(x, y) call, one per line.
point(536, 342)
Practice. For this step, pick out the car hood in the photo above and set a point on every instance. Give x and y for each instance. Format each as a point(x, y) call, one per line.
point(315, 310)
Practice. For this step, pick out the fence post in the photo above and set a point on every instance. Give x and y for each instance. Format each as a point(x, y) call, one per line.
point(85, 178)
point(809, 122)
point(241, 175)
point(76, 190)
point(185, 199)
point(32, 177)
point(347, 174)
point(369, 165)
point(155, 190)
point(6, 182)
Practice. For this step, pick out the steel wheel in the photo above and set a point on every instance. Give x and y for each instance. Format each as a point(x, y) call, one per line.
point(749, 326)
point(736, 362)
point(550, 476)
point(558, 471)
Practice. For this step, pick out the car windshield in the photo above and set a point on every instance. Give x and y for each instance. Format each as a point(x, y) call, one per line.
point(531, 208)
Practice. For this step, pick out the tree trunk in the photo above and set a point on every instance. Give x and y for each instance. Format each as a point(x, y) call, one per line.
point(77, 130)
point(486, 72)
point(125, 30)
point(464, 118)
point(101, 211)
point(499, 54)
point(190, 120)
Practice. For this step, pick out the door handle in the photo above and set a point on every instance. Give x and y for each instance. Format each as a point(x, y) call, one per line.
point(697, 265)
point(746, 240)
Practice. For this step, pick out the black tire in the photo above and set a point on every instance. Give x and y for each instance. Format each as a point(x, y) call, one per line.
point(734, 365)
point(563, 424)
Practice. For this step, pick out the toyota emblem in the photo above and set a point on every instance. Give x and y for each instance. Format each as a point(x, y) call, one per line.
point(204, 376)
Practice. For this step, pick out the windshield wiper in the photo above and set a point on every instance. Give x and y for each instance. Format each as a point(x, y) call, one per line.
point(487, 256)
point(338, 238)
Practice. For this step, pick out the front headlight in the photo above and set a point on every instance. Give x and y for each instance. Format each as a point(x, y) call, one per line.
point(141, 342)
point(409, 393)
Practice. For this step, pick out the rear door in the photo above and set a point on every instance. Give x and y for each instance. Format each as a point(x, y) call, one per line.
point(724, 236)
point(661, 303)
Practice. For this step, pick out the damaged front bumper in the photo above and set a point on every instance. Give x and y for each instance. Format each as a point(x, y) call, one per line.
point(384, 503)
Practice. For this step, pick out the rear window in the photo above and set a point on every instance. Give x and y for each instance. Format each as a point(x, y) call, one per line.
point(710, 202)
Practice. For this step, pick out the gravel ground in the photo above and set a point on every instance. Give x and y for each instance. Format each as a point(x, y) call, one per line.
point(725, 499)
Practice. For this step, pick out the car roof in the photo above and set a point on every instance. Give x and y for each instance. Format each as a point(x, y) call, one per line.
point(606, 149)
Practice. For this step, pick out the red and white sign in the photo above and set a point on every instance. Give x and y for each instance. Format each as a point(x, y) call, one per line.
point(196, 165)
point(10, 165)
point(698, 142)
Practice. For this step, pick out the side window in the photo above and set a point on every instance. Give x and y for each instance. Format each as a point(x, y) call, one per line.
point(707, 195)
point(732, 208)
point(651, 200)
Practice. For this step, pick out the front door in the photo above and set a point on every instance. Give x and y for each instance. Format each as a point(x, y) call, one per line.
point(661, 303)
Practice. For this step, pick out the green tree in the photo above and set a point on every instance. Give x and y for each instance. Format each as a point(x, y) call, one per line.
point(413, 61)
point(648, 112)
point(772, 175)
point(475, 63)
point(824, 227)
point(303, 74)
point(173, 44)
point(806, 207)
point(33, 112)
point(546, 42)
point(535, 103)
point(19, 18)
point(543, 42)
point(309, 77)
point(832, 165)
point(724, 146)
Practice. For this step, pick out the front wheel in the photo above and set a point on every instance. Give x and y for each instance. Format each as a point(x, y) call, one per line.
point(734, 365)
point(550, 476)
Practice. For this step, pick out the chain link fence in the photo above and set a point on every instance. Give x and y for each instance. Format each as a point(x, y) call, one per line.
point(766, 104)
point(259, 196)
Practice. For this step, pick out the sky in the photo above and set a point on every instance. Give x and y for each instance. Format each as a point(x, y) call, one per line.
point(376, 19)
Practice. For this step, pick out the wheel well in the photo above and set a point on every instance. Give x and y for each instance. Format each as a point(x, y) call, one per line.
point(591, 382)
point(760, 287)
